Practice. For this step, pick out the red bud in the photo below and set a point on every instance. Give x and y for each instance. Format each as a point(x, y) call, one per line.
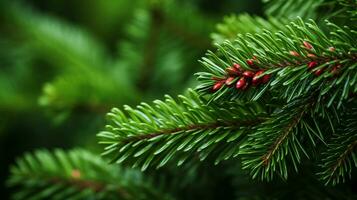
point(335, 69)
point(245, 86)
point(250, 62)
point(310, 55)
point(232, 71)
point(241, 83)
point(76, 174)
point(230, 80)
point(217, 86)
point(266, 78)
point(307, 45)
point(249, 74)
point(312, 64)
point(237, 66)
point(255, 79)
point(294, 53)
point(332, 49)
point(319, 72)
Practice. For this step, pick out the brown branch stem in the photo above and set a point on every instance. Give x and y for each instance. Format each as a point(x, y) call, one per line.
point(212, 125)
point(344, 156)
point(89, 184)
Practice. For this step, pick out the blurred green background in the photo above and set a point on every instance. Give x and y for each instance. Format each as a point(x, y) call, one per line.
point(64, 64)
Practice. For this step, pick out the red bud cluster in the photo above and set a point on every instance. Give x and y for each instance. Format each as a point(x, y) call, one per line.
point(240, 77)
point(245, 78)
point(312, 64)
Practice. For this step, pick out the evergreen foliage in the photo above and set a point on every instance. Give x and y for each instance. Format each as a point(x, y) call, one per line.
point(178, 130)
point(286, 57)
point(291, 9)
point(76, 174)
point(81, 60)
point(274, 107)
point(299, 75)
point(244, 24)
point(340, 156)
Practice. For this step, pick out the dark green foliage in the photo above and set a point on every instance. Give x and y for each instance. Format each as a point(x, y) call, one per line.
point(340, 156)
point(312, 76)
point(80, 60)
point(13, 75)
point(59, 75)
point(293, 8)
point(291, 75)
point(76, 174)
point(157, 42)
point(304, 186)
point(315, 9)
point(350, 6)
point(273, 112)
point(282, 141)
point(160, 40)
point(243, 24)
point(177, 130)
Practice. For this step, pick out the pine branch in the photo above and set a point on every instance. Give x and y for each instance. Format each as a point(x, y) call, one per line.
point(151, 135)
point(76, 174)
point(303, 185)
point(149, 53)
point(342, 10)
point(351, 6)
point(79, 58)
point(288, 64)
point(285, 134)
point(313, 9)
point(281, 140)
point(190, 24)
point(242, 24)
point(340, 157)
point(159, 41)
point(14, 73)
point(98, 92)
point(292, 8)
point(55, 39)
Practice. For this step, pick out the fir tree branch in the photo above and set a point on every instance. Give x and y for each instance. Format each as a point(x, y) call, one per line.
point(233, 25)
point(98, 92)
point(149, 61)
point(193, 39)
point(194, 127)
point(176, 130)
point(289, 64)
point(292, 8)
point(80, 60)
point(75, 174)
point(350, 148)
point(351, 6)
point(279, 140)
point(339, 159)
point(80, 184)
point(189, 25)
point(268, 156)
